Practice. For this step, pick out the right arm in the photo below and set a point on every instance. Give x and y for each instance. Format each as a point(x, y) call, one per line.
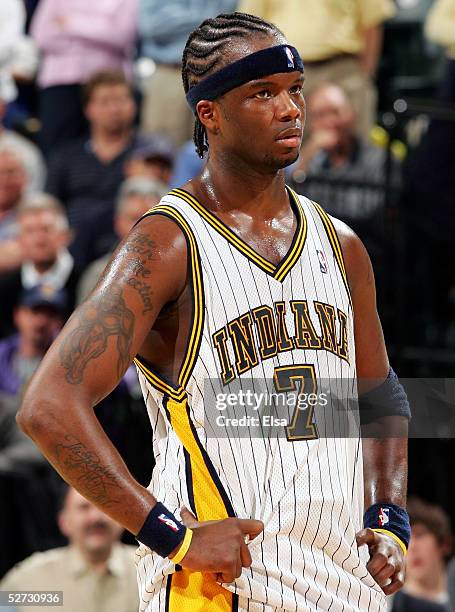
point(87, 361)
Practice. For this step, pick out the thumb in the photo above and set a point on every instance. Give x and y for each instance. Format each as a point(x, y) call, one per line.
point(366, 536)
point(188, 518)
point(251, 527)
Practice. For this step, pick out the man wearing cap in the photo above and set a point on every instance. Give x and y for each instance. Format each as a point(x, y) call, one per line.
point(38, 317)
point(151, 160)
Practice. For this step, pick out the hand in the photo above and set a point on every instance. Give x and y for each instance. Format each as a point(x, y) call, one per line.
point(386, 564)
point(219, 546)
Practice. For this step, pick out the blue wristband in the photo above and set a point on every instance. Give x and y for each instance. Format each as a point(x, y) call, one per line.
point(161, 531)
point(391, 519)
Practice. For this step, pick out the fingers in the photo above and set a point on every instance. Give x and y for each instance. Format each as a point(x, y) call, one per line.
point(396, 584)
point(188, 518)
point(245, 555)
point(366, 536)
point(251, 527)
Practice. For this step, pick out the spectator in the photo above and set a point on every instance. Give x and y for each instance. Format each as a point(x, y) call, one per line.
point(425, 588)
point(38, 317)
point(44, 237)
point(136, 197)
point(13, 183)
point(18, 55)
point(341, 171)
point(29, 154)
point(153, 160)
point(95, 571)
point(340, 42)
point(86, 174)
point(164, 28)
point(187, 164)
point(78, 38)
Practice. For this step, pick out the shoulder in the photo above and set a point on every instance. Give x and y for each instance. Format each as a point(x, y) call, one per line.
point(39, 561)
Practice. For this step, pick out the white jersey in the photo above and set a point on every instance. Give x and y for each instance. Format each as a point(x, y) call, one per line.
point(255, 322)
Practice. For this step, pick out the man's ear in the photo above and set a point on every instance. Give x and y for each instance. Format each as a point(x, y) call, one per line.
point(208, 115)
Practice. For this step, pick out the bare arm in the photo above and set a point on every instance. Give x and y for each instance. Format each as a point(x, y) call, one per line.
point(88, 360)
point(385, 450)
point(372, 49)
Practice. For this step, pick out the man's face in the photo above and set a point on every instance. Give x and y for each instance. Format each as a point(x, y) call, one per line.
point(111, 108)
point(133, 208)
point(13, 180)
point(154, 168)
point(261, 123)
point(86, 527)
point(330, 112)
point(41, 236)
point(425, 554)
point(38, 326)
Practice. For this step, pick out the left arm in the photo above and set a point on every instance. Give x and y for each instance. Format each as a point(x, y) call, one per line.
point(385, 453)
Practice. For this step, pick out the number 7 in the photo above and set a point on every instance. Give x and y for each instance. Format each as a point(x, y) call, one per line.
point(285, 379)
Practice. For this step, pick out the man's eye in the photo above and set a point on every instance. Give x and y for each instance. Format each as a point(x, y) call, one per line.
point(297, 89)
point(263, 95)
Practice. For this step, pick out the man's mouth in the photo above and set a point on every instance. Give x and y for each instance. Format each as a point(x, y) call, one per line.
point(291, 137)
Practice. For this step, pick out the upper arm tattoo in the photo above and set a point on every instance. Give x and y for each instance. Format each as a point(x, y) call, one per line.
point(99, 318)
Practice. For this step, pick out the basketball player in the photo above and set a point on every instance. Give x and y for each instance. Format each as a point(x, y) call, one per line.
point(235, 278)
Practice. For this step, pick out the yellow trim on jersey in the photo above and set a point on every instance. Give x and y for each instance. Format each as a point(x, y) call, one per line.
point(178, 392)
point(195, 591)
point(158, 382)
point(298, 243)
point(208, 502)
point(394, 537)
point(335, 242)
point(278, 272)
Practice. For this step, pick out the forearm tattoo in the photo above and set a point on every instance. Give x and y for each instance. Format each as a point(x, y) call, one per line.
point(106, 316)
point(83, 468)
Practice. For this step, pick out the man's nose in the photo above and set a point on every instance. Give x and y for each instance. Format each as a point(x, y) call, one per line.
point(288, 110)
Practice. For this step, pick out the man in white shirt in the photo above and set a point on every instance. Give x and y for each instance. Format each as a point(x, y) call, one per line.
point(44, 236)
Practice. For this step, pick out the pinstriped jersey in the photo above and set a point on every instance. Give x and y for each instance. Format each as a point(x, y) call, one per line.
point(255, 325)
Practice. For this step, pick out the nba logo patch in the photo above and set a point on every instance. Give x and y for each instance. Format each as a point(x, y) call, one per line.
point(290, 57)
point(322, 261)
point(383, 516)
point(169, 522)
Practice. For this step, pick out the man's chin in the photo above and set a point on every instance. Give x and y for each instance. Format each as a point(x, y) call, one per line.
point(278, 163)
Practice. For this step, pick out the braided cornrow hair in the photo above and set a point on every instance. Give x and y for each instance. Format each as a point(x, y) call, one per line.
point(204, 51)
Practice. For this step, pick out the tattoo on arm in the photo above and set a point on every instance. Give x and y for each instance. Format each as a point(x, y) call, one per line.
point(138, 270)
point(107, 316)
point(83, 467)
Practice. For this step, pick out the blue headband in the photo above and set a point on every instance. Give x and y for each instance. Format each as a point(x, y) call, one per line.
point(281, 58)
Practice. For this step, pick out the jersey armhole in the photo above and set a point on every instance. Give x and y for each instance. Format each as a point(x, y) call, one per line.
point(177, 391)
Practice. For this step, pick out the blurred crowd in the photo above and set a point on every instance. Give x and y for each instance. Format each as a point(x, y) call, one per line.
point(95, 129)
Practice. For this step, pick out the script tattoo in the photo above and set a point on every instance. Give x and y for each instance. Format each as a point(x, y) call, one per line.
point(141, 244)
point(99, 319)
point(83, 466)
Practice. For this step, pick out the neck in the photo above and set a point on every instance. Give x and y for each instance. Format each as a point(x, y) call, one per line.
point(97, 559)
point(108, 144)
point(430, 587)
point(29, 349)
point(43, 266)
point(230, 184)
